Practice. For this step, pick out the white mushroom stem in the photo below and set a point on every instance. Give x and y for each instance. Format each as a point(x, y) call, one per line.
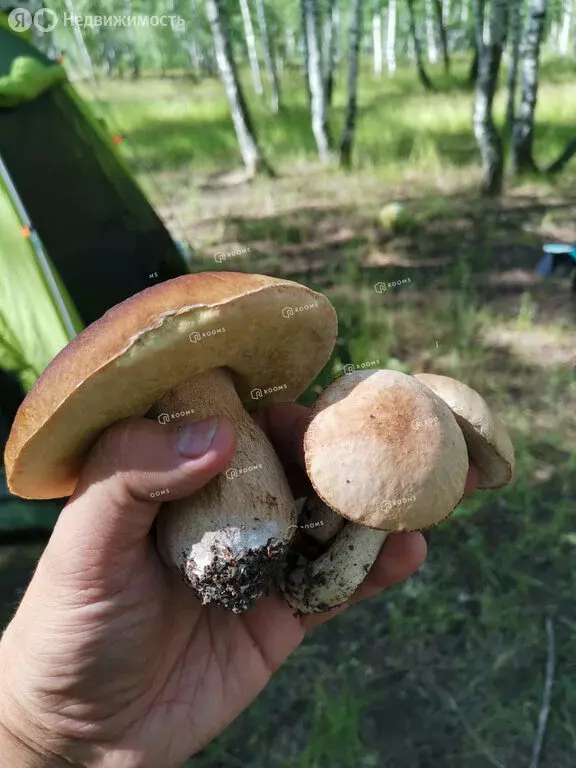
point(227, 541)
point(320, 521)
point(313, 586)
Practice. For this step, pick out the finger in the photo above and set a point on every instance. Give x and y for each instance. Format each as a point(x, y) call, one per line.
point(135, 466)
point(401, 555)
point(472, 480)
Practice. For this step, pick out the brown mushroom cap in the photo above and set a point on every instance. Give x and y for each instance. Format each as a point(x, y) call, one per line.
point(489, 444)
point(385, 452)
point(276, 337)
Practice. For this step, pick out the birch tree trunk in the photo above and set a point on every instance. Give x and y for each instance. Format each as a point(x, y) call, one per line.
point(554, 36)
point(80, 42)
point(184, 38)
point(290, 43)
point(318, 107)
point(251, 153)
point(564, 38)
point(347, 138)
point(437, 4)
point(133, 57)
point(251, 46)
point(422, 75)
point(523, 132)
point(269, 61)
point(431, 34)
point(489, 58)
point(332, 22)
point(479, 13)
point(515, 37)
point(391, 37)
point(377, 40)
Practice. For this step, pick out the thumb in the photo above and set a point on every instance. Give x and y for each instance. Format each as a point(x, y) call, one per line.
point(135, 466)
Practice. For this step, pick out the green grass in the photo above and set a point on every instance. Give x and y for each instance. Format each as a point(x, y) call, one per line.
point(448, 669)
point(402, 131)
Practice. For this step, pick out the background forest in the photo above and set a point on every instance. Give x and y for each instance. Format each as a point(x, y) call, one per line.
point(342, 143)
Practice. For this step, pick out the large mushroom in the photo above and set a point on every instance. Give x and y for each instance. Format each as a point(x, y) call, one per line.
point(214, 343)
point(385, 452)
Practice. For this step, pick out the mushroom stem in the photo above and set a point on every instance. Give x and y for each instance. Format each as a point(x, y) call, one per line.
point(313, 586)
point(228, 539)
point(319, 521)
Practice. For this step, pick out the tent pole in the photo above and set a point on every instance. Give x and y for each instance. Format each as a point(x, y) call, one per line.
point(39, 251)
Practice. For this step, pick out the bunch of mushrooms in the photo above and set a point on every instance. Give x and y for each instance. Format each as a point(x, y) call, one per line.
point(213, 343)
point(386, 452)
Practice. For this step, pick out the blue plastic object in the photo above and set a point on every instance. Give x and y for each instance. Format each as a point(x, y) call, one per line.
point(558, 257)
point(560, 248)
point(545, 266)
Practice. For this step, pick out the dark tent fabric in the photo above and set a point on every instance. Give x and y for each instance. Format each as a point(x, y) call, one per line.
point(102, 235)
point(11, 395)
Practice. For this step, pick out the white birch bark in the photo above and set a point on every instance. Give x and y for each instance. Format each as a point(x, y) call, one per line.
point(377, 41)
point(310, 17)
point(437, 8)
point(523, 133)
point(249, 149)
point(565, 29)
point(80, 42)
point(391, 37)
point(486, 29)
point(290, 43)
point(132, 51)
point(251, 46)
point(269, 61)
point(431, 34)
point(417, 48)
point(554, 36)
point(347, 137)
point(489, 58)
point(331, 30)
point(514, 43)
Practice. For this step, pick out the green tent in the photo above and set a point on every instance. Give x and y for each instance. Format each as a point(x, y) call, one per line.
point(77, 235)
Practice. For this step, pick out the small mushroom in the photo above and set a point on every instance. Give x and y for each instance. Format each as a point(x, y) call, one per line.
point(489, 444)
point(213, 343)
point(386, 453)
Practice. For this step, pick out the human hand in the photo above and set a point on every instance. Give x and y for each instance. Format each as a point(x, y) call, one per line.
point(110, 660)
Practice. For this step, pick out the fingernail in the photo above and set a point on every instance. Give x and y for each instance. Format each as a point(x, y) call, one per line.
point(195, 438)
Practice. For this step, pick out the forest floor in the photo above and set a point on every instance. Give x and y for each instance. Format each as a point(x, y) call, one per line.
point(449, 668)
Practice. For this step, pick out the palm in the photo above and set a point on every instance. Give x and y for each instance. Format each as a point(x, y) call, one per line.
point(111, 654)
point(166, 674)
point(218, 663)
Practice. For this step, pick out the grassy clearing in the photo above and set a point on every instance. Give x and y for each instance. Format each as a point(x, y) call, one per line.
point(448, 669)
point(402, 131)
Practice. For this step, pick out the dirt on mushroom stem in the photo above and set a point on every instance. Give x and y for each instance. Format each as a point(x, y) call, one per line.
point(235, 583)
